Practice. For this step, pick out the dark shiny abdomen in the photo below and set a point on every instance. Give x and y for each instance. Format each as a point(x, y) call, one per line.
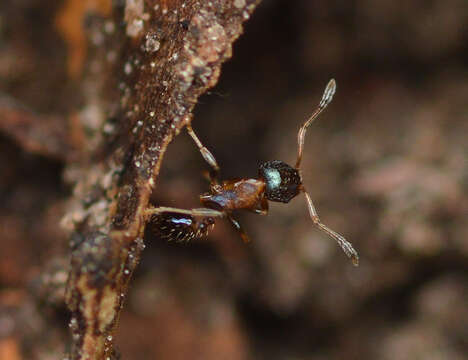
point(180, 227)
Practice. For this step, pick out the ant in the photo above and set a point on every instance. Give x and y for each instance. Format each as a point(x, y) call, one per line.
point(277, 181)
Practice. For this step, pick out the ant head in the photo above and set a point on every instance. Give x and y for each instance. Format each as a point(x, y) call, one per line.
point(283, 182)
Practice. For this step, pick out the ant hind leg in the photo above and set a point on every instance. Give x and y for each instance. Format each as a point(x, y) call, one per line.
point(203, 212)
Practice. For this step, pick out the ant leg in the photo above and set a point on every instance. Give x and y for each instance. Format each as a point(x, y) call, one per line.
point(345, 245)
point(326, 99)
point(205, 212)
point(245, 238)
point(207, 155)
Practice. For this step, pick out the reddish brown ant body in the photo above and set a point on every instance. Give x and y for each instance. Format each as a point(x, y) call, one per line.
point(277, 181)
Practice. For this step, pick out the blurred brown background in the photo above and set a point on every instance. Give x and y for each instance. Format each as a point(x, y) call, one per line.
point(385, 165)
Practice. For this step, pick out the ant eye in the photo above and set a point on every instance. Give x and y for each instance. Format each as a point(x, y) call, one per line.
point(283, 182)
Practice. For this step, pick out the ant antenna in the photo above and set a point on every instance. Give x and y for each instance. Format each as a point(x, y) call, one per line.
point(344, 244)
point(326, 99)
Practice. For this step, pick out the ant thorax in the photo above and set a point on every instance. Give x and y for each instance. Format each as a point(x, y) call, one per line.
point(239, 194)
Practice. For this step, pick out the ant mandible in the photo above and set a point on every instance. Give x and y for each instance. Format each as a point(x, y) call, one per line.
point(277, 181)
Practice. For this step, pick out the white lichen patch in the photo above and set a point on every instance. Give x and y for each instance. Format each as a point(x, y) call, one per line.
point(186, 72)
point(128, 68)
point(239, 3)
point(92, 117)
point(152, 43)
point(212, 41)
point(207, 45)
point(109, 27)
point(135, 17)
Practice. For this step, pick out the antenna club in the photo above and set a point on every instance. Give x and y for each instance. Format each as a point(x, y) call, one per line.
point(327, 97)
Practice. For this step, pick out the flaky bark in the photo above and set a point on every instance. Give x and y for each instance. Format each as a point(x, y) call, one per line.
point(167, 54)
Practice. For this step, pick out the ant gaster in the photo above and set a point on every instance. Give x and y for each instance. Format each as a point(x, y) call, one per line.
point(277, 181)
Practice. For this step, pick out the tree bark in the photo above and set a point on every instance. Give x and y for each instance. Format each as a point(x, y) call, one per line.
point(142, 80)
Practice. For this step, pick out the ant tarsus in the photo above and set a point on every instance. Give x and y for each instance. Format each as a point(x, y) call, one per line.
point(277, 181)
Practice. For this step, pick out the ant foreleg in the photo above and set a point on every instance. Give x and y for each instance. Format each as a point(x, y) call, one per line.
point(207, 155)
point(238, 227)
point(344, 244)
